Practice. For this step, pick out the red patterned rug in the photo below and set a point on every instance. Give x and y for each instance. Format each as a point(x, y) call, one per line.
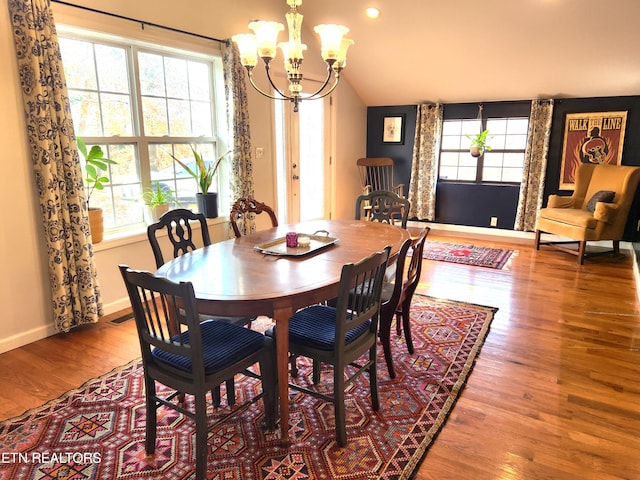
point(467, 254)
point(97, 431)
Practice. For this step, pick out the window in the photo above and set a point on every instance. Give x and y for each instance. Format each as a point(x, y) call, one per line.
point(502, 164)
point(142, 104)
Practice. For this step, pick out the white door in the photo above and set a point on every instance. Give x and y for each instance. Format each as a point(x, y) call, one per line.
point(302, 160)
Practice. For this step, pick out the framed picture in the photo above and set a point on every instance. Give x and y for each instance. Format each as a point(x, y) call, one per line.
point(591, 138)
point(393, 129)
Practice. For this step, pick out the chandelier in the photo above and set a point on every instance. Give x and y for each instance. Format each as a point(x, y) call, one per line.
point(263, 41)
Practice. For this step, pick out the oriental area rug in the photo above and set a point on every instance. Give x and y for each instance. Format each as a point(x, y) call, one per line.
point(98, 430)
point(466, 254)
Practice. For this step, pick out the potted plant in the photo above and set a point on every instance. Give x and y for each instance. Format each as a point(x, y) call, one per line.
point(157, 198)
point(203, 174)
point(478, 143)
point(95, 165)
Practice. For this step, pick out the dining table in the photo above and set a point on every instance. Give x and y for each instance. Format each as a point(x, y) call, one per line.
point(257, 274)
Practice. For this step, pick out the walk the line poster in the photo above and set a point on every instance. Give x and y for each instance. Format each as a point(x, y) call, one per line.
point(591, 138)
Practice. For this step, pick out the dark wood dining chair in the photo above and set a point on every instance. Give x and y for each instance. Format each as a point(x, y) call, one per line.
point(196, 359)
point(383, 206)
point(397, 296)
point(342, 334)
point(246, 205)
point(177, 224)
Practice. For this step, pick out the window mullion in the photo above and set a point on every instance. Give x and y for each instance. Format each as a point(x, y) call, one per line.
point(142, 149)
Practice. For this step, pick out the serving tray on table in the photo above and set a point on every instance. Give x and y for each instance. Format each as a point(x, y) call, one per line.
point(278, 246)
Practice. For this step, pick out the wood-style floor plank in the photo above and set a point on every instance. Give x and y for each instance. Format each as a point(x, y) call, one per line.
point(554, 394)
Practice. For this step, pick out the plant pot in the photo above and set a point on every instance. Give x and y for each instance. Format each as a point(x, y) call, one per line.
point(154, 213)
point(208, 204)
point(96, 224)
point(475, 151)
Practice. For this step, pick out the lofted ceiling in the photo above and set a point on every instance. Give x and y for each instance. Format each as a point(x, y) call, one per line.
point(482, 50)
point(449, 50)
point(472, 50)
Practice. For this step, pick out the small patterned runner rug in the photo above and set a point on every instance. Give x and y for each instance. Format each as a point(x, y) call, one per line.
point(467, 254)
point(97, 431)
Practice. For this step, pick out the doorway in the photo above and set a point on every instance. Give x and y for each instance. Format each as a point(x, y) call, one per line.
point(303, 173)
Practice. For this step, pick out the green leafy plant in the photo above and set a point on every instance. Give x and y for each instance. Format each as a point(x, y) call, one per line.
point(158, 194)
point(480, 140)
point(95, 164)
point(203, 173)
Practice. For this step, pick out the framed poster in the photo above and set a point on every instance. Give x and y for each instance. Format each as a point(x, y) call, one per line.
point(590, 138)
point(393, 129)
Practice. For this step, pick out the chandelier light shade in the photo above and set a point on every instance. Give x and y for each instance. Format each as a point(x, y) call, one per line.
point(263, 43)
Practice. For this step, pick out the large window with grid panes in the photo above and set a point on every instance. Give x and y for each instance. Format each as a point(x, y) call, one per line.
point(502, 162)
point(143, 104)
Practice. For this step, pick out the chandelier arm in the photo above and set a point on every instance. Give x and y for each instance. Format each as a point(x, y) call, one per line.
point(268, 95)
point(267, 69)
point(316, 94)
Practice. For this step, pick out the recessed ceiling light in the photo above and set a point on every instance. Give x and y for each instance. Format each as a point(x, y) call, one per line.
point(373, 12)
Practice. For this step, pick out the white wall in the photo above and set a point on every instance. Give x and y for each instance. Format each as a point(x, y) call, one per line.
point(24, 285)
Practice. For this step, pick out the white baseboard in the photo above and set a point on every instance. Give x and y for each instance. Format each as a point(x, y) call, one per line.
point(636, 270)
point(497, 234)
point(510, 236)
point(116, 306)
point(25, 338)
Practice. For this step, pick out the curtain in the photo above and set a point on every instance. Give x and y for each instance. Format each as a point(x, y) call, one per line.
point(54, 154)
point(535, 165)
point(238, 121)
point(424, 167)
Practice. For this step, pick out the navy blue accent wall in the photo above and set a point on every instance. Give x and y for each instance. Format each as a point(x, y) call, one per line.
point(474, 205)
point(401, 153)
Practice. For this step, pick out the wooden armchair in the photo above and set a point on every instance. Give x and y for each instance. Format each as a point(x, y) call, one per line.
point(377, 174)
point(245, 205)
point(597, 210)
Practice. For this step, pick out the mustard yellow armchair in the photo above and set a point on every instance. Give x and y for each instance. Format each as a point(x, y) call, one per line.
point(597, 210)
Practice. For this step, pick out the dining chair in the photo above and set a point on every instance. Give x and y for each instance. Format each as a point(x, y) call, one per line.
point(195, 358)
point(397, 296)
point(182, 236)
point(383, 206)
point(342, 334)
point(178, 225)
point(246, 205)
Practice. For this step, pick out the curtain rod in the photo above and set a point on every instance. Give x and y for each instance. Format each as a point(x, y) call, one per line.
point(141, 22)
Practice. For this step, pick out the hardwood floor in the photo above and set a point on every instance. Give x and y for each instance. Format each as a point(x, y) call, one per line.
point(555, 393)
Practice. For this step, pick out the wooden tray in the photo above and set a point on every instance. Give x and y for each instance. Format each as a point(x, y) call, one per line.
point(278, 246)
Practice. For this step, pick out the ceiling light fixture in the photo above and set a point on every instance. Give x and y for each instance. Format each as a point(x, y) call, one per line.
point(263, 43)
point(373, 13)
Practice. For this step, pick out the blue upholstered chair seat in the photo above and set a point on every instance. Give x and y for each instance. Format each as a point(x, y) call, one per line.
point(315, 327)
point(223, 344)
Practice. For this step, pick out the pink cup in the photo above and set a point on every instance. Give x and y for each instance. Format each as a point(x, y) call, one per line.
point(292, 239)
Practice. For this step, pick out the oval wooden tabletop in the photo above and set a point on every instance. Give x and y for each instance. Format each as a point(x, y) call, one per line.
point(233, 270)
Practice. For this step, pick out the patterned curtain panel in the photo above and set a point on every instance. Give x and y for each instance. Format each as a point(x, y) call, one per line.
point(238, 121)
point(535, 165)
point(424, 168)
point(74, 287)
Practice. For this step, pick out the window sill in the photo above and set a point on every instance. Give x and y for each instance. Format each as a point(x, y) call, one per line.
point(137, 236)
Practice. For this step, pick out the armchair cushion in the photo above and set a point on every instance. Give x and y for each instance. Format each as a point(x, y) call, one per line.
point(571, 216)
point(605, 196)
